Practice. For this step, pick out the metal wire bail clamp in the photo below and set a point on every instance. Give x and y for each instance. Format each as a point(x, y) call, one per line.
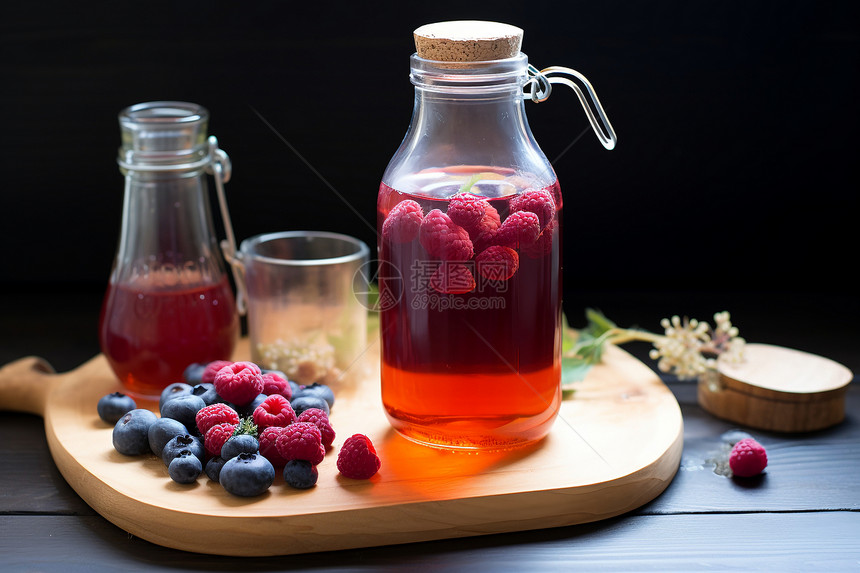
point(539, 87)
point(220, 167)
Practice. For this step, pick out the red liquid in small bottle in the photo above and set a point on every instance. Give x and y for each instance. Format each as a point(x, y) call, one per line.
point(150, 334)
point(473, 371)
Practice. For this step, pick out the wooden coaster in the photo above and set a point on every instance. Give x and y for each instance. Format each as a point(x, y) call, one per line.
point(778, 389)
point(467, 41)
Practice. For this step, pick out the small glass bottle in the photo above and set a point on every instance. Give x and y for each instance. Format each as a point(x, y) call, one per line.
point(169, 302)
point(469, 215)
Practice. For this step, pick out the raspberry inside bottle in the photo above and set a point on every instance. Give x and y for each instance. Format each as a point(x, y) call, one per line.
point(469, 214)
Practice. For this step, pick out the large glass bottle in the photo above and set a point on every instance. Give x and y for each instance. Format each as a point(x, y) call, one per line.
point(169, 302)
point(469, 216)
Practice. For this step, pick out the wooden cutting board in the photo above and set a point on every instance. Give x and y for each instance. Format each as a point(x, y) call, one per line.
point(616, 445)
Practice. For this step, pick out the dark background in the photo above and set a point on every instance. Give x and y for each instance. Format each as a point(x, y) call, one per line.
point(733, 185)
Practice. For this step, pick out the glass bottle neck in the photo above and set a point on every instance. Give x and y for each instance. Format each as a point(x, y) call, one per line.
point(163, 136)
point(470, 80)
point(469, 114)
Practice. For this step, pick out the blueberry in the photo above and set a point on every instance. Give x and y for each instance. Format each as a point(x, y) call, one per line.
point(185, 467)
point(114, 406)
point(235, 445)
point(179, 443)
point(247, 475)
point(193, 373)
point(184, 409)
point(162, 431)
point(247, 411)
point(316, 389)
point(302, 403)
point(300, 474)
point(294, 386)
point(213, 467)
point(131, 432)
point(206, 391)
point(172, 391)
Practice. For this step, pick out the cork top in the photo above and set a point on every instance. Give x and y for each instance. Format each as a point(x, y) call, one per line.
point(468, 41)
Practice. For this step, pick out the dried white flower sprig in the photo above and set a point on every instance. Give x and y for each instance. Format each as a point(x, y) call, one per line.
point(688, 348)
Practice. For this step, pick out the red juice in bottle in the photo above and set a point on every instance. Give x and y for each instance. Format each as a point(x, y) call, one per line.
point(151, 330)
point(476, 370)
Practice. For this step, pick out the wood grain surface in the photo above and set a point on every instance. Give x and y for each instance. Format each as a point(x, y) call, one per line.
point(801, 515)
point(615, 447)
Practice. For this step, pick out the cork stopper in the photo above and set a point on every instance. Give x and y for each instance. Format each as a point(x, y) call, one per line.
point(468, 41)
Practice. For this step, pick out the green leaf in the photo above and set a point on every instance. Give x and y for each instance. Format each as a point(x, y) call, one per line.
point(597, 322)
point(472, 180)
point(573, 369)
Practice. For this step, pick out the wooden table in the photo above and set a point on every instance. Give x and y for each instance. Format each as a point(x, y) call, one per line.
point(803, 514)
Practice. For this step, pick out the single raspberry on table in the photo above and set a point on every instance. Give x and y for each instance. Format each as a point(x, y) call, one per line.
point(497, 263)
point(275, 410)
point(539, 202)
point(217, 436)
point(274, 383)
point(357, 458)
point(211, 369)
point(520, 229)
point(301, 441)
point(748, 458)
point(452, 278)
point(268, 449)
point(239, 382)
point(444, 240)
point(402, 223)
point(215, 414)
point(466, 209)
point(319, 418)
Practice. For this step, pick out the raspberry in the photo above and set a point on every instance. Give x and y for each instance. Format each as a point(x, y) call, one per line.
point(482, 234)
point(520, 229)
point(217, 436)
point(274, 383)
point(539, 202)
point(357, 458)
point(213, 415)
point(444, 240)
point(543, 245)
point(402, 223)
point(268, 449)
point(452, 278)
point(239, 382)
point(301, 441)
point(212, 369)
point(274, 411)
point(748, 458)
point(466, 209)
point(319, 418)
point(497, 263)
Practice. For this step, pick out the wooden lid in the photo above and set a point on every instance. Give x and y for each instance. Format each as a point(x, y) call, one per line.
point(468, 41)
point(778, 389)
point(784, 373)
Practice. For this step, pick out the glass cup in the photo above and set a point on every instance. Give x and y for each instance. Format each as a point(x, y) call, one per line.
point(306, 303)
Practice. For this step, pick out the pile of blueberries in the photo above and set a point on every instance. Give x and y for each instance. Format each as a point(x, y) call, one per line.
point(174, 437)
